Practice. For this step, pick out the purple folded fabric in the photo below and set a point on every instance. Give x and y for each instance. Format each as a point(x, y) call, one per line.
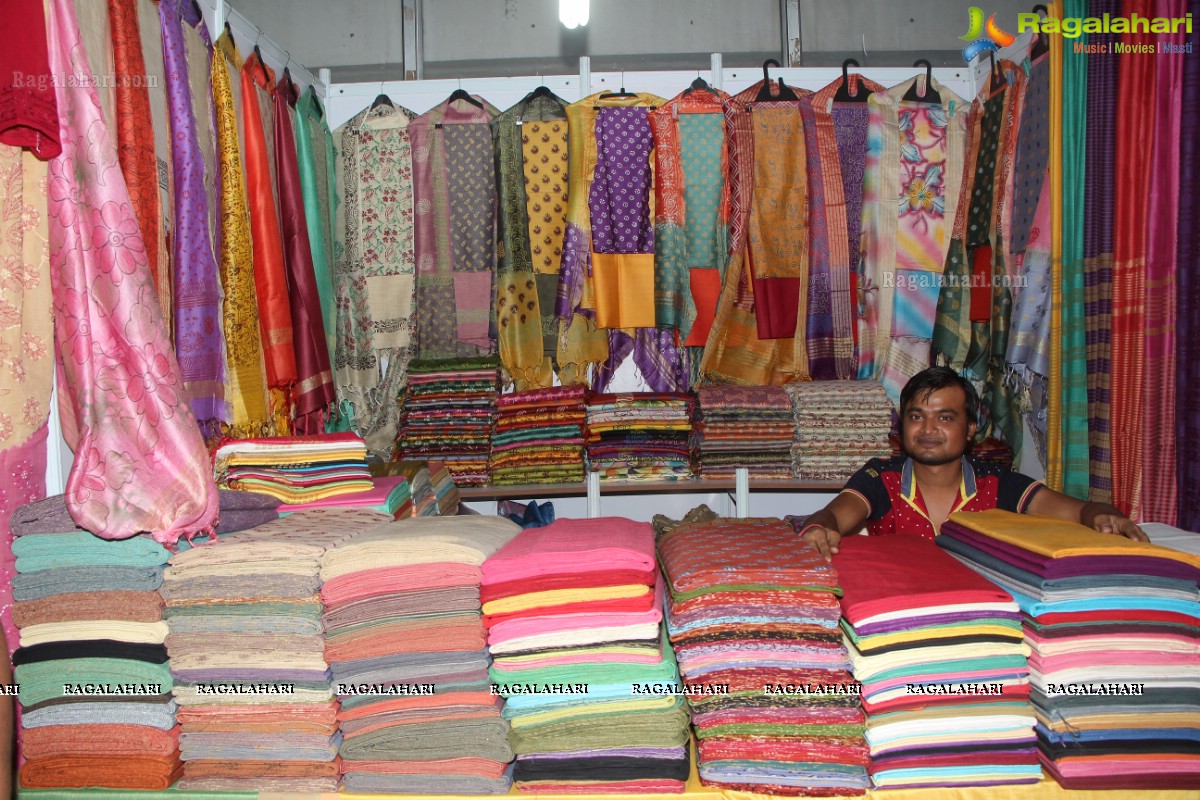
point(239, 511)
point(891, 626)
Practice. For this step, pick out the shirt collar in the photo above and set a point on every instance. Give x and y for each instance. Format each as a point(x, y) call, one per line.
point(967, 489)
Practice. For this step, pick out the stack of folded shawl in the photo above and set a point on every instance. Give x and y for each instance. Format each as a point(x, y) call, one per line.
point(1114, 626)
point(642, 436)
point(256, 706)
point(405, 639)
point(446, 413)
point(574, 617)
point(391, 495)
point(539, 436)
point(444, 488)
point(753, 610)
point(943, 669)
point(839, 426)
point(95, 690)
point(743, 426)
point(295, 469)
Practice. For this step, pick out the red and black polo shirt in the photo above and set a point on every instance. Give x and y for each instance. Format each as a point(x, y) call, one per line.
point(891, 493)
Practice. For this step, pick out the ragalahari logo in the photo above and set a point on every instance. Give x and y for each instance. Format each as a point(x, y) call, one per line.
point(983, 36)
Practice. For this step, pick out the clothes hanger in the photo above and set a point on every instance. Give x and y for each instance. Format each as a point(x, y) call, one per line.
point(382, 99)
point(1041, 42)
point(699, 85)
point(764, 94)
point(462, 94)
point(843, 93)
point(621, 93)
point(931, 95)
point(316, 102)
point(997, 80)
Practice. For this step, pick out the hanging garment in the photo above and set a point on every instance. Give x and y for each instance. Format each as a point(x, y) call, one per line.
point(95, 36)
point(26, 349)
point(198, 47)
point(735, 353)
point(1159, 500)
point(577, 298)
point(141, 463)
point(1028, 356)
point(314, 378)
point(247, 391)
point(312, 138)
point(150, 31)
point(1097, 245)
point(532, 144)
point(1072, 390)
point(1054, 476)
point(1033, 156)
point(454, 180)
point(1187, 298)
point(28, 110)
point(375, 269)
point(915, 154)
point(135, 135)
point(691, 226)
point(270, 280)
point(1135, 139)
point(198, 339)
point(836, 142)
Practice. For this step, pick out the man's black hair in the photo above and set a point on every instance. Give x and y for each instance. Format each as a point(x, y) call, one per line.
point(933, 379)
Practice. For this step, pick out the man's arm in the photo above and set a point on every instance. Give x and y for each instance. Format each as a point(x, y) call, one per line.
point(845, 513)
point(1100, 516)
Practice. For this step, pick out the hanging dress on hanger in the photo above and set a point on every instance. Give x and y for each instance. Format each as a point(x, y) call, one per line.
point(312, 137)
point(532, 146)
point(375, 269)
point(454, 180)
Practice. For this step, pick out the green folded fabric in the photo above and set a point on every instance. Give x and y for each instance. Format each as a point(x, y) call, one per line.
point(667, 728)
point(41, 551)
point(107, 677)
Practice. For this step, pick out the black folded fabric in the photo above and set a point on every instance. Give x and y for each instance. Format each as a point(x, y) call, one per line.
point(90, 648)
point(600, 768)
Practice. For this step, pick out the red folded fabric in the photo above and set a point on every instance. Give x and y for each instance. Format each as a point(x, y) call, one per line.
point(622, 605)
point(582, 580)
point(880, 574)
point(973, 759)
point(79, 772)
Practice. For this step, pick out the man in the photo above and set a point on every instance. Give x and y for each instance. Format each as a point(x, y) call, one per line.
point(914, 494)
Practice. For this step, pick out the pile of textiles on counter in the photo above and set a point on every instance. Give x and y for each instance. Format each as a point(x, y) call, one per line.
point(753, 618)
point(91, 666)
point(1114, 626)
point(405, 640)
point(538, 436)
point(640, 436)
point(939, 653)
point(445, 490)
point(294, 469)
point(574, 619)
point(743, 426)
point(430, 483)
point(247, 646)
point(839, 426)
point(446, 413)
point(389, 495)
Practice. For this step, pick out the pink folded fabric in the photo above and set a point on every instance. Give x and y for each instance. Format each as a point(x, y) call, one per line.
point(560, 623)
point(573, 546)
point(371, 582)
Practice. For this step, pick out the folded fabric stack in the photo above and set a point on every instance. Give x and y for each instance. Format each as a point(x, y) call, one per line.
point(1114, 626)
point(91, 666)
point(753, 618)
point(444, 489)
point(391, 495)
point(939, 653)
point(538, 436)
point(405, 640)
point(574, 618)
point(640, 436)
point(839, 426)
point(743, 426)
point(295, 469)
point(447, 412)
point(256, 705)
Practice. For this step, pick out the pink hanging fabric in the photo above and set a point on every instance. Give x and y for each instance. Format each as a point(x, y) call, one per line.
point(140, 463)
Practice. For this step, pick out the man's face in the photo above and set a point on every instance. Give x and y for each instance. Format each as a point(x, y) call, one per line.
point(934, 427)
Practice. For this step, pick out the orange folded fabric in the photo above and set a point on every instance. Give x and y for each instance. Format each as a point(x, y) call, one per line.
point(98, 740)
point(79, 772)
point(126, 605)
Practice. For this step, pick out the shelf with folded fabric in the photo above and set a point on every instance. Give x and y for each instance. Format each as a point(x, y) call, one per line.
point(685, 486)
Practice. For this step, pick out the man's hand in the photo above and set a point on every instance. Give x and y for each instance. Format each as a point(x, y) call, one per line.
point(1120, 526)
point(824, 539)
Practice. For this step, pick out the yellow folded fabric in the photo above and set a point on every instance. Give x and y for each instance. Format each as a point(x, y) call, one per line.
point(117, 630)
point(1057, 538)
point(558, 597)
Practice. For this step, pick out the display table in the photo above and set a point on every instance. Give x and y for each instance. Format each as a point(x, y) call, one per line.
point(1046, 790)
